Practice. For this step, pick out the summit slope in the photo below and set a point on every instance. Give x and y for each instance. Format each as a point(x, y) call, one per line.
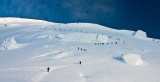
point(62, 46)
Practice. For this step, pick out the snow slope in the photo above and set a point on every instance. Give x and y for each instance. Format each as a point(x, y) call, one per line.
point(84, 37)
point(62, 46)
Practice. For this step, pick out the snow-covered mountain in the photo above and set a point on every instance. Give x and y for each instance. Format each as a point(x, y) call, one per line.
point(28, 47)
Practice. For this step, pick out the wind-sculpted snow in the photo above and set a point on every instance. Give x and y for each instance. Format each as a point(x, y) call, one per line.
point(10, 44)
point(132, 59)
point(46, 34)
point(82, 37)
point(140, 35)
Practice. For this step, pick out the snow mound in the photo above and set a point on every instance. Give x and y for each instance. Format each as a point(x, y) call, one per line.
point(83, 75)
point(84, 37)
point(10, 44)
point(140, 35)
point(132, 59)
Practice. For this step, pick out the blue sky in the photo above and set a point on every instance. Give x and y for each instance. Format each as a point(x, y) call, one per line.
point(119, 14)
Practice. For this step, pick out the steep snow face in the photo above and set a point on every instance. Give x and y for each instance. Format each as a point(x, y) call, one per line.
point(9, 44)
point(132, 59)
point(84, 37)
point(140, 35)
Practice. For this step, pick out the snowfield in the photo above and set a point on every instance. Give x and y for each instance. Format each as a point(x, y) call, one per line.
point(84, 37)
point(28, 47)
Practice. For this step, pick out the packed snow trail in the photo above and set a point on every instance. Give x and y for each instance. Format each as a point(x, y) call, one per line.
point(41, 75)
point(43, 72)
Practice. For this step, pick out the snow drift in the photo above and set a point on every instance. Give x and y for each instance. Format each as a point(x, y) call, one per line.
point(132, 59)
point(46, 34)
point(63, 55)
point(9, 44)
point(81, 37)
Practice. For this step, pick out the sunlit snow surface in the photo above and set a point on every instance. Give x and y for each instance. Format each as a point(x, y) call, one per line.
point(28, 47)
